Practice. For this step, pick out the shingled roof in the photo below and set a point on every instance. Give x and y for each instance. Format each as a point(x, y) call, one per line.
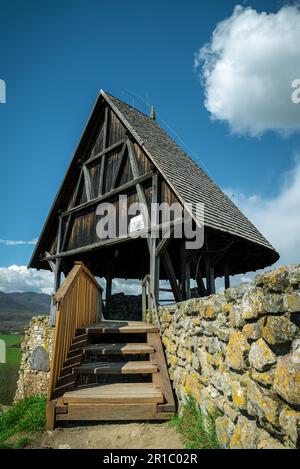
point(188, 181)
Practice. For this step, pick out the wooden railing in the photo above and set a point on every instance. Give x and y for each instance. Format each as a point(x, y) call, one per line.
point(148, 301)
point(78, 302)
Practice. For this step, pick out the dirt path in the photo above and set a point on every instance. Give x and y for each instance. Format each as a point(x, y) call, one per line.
point(107, 436)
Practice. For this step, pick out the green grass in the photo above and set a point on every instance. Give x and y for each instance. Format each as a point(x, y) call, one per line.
point(12, 339)
point(9, 370)
point(28, 415)
point(197, 431)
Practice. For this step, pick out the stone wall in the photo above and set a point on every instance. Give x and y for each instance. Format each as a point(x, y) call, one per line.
point(238, 353)
point(36, 354)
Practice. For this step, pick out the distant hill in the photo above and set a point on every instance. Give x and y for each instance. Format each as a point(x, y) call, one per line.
point(16, 309)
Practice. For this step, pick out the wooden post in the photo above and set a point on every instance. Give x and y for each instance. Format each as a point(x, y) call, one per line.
point(108, 289)
point(210, 275)
point(154, 260)
point(188, 279)
point(226, 275)
point(183, 264)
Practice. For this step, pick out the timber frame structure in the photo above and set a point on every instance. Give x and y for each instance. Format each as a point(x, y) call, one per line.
point(123, 152)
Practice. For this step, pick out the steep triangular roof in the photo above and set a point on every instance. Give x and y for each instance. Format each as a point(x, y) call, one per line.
point(185, 177)
point(188, 181)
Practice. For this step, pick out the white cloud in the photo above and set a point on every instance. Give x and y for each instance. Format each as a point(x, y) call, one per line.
point(247, 70)
point(278, 218)
point(17, 278)
point(12, 242)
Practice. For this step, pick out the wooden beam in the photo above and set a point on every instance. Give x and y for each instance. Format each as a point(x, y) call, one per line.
point(198, 277)
point(87, 183)
point(183, 269)
point(154, 260)
point(226, 275)
point(163, 244)
point(107, 150)
point(109, 194)
point(119, 166)
point(105, 129)
point(171, 275)
point(139, 187)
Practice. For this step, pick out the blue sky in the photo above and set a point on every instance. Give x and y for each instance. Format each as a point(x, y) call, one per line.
point(56, 55)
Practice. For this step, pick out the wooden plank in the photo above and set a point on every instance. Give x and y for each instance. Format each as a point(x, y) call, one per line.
point(110, 412)
point(161, 379)
point(87, 182)
point(116, 368)
point(118, 349)
point(118, 393)
point(110, 327)
point(50, 415)
point(105, 128)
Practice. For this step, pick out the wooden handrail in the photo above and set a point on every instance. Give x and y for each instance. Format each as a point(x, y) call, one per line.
point(148, 299)
point(78, 303)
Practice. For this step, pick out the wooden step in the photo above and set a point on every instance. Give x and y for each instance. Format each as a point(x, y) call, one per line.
point(116, 368)
point(115, 393)
point(113, 412)
point(118, 349)
point(119, 327)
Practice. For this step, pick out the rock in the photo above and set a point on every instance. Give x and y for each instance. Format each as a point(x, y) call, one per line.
point(277, 329)
point(263, 404)
point(238, 291)
point(287, 378)
point(239, 395)
point(265, 441)
point(251, 331)
point(272, 303)
point(289, 420)
point(204, 359)
point(261, 356)
point(222, 382)
point(192, 386)
point(237, 349)
point(294, 276)
point(251, 304)
point(275, 281)
point(292, 302)
point(224, 431)
point(266, 378)
point(64, 447)
point(236, 316)
point(245, 434)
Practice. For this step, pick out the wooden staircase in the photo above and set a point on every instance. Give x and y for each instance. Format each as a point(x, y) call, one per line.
point(112, 371)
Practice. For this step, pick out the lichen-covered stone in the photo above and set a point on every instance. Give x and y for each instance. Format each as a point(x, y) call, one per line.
point(292, 302)
point(239, 395)
point(192, 386)
point(237, 351)
point(287, 378)
point(289, 420)
point(204, 358)
point(36, 349)
point(224, 431)
point(272, 303)
point(277, 329)
point(236, 316)
point(294, 276)
point(238, 291)
point(245, 434)
point(276, 280)
point(263, 404)
point(251, 331)
point(251, 304)
point(265, 441)
point(261, 356)
point(265, 378)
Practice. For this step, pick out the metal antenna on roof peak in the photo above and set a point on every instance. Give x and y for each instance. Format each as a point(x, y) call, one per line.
point(153, 113)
